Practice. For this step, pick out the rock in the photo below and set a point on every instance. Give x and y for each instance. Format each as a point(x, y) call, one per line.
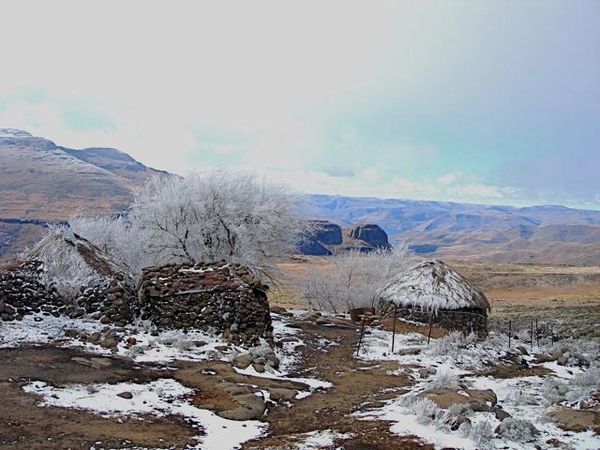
point(282, 394)
point(243, 360)
point(423, 372)
point(501, 414)
point(105, 319)
point(458, 421)
point(576, 419)
point(126, 395)
point(476, 399)
point(523, 350)
point(251, 407)
point(131, 341)
point(110, 342)
point(260, 368)
point(483, 395)
point(371, 234)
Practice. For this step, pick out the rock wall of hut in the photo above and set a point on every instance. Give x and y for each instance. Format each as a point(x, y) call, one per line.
point(466, 320)
point(220, 297)
point(21, 293)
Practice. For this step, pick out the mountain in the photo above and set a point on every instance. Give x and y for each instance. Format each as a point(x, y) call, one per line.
point(541, 234)
point(41, 182)
point(329, 239)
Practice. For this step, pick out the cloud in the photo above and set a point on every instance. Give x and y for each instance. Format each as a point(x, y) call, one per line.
point(490, 101)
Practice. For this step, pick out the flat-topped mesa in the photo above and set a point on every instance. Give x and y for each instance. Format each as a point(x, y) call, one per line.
point(218, 297)
point(328, 238)
point(370, 233)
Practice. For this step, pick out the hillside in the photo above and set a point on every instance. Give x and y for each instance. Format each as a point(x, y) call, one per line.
point(543, 234)
point(42, 182)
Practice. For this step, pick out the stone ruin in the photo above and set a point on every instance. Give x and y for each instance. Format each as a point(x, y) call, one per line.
point(108, 294)
point(220, 297)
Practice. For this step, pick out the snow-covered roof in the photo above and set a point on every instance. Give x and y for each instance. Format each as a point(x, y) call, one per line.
point(431, 286)
point(75, 252)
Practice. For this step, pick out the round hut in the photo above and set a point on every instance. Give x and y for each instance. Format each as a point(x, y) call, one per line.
point(433, 292)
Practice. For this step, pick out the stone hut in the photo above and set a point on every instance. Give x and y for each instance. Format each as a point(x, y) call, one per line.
point(434, 292)
point(217, 297)
point(66, 275)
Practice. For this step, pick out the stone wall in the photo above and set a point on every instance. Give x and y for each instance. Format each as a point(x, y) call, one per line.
point(465, 320)
point(220, 297)
point(22, 293)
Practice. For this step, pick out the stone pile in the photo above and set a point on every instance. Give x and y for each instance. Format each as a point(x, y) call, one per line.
point(21, 293)
point(111, 302)
point(220, 297)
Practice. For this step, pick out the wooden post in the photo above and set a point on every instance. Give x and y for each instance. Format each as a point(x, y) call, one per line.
point(531, 332)
point(537, 333)
point(509, 332)
point(394, 327)
point(362, 331)
point(430, 325)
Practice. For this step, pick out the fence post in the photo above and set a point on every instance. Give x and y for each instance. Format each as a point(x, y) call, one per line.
point(394, 327)
point(509, 332)
point(430, 325)
point(531, 332)
point(362, 331)
point(537, 333)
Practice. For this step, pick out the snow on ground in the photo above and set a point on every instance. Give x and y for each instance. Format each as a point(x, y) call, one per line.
point(289, 358)
point(454, 359)
point(320, 439)
point(161, 398)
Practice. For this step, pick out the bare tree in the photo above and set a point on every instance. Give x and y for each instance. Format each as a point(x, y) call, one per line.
point(351, 279)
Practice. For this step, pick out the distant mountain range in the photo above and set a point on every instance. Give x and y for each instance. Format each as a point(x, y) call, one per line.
point(42, 182)
point(541, 234)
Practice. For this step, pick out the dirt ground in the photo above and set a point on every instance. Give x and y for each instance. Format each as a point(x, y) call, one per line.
point(26, 425)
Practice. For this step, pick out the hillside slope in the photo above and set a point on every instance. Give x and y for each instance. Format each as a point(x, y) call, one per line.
point(41, 182)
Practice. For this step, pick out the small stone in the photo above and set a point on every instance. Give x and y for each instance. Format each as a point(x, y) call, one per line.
point(105, 319)
point(126, 395)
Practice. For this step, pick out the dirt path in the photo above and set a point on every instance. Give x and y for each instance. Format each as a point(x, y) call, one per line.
point(356, 384)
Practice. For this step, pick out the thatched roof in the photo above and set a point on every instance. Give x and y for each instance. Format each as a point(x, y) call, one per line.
point(431, 286)
point(74, 250)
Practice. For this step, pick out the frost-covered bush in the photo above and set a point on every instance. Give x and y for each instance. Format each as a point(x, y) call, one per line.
point(583, 384)
point(352, 279)
point(443, 379)
point(482, 433)
point(452, 345)
point(555, 391)
point(517, 430)
point(426, 410)
point(521, 397)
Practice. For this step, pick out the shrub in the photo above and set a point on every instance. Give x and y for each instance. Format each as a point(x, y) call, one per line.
point(517, 430)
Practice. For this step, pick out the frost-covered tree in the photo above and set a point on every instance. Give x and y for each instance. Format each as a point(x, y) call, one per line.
point(352, 279)
point(125, 242)
point(235, 217)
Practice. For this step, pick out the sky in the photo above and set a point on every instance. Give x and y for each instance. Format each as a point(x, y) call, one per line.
point(471, 101)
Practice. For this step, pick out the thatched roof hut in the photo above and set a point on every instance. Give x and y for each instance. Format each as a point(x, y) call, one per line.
point(435, 290)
